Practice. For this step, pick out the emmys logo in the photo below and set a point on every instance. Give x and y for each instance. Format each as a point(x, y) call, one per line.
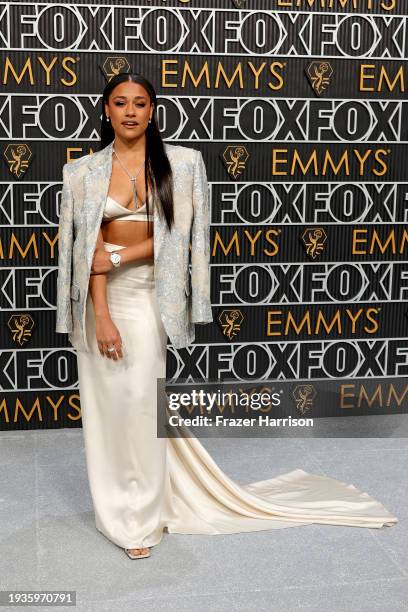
point(239, 3)
point(230, 322)
point(314, 239)
point(21, 326)
point(304, 396)
point(115, 65)
point(319, 74)
point(235, 158)
point(18, 157)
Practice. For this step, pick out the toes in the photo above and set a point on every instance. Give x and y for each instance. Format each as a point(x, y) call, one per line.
point(138, 551)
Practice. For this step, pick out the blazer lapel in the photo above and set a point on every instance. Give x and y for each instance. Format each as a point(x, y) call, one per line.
point(97, 181)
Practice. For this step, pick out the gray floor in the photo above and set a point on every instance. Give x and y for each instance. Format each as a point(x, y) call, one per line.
point(48, 538)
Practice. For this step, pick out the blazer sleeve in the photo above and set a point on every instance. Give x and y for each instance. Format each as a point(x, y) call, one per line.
point(200, 246)
point(65, 244)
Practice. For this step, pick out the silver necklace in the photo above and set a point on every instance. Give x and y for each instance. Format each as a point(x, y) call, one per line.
point(132, 179)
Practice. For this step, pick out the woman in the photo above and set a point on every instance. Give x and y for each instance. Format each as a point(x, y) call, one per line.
point(122, 289)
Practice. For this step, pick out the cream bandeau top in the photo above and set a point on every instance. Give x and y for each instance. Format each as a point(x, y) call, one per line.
point(114, 210)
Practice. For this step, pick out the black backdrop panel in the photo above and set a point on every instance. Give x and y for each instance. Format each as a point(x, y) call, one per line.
point(309, 236)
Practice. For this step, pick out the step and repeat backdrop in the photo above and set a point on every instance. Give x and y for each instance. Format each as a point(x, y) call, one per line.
point(300, 110)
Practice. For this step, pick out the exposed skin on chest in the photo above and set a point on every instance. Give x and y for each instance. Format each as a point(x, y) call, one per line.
point(183, 296)
point(126, 233)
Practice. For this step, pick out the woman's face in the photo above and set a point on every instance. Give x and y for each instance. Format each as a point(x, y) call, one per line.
point(129, 109)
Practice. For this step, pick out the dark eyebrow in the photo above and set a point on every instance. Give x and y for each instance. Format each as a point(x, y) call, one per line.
point(136, 97)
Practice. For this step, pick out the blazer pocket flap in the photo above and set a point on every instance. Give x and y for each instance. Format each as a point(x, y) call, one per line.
point(75, 292)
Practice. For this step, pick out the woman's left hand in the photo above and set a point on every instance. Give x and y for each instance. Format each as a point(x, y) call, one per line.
point(101, 262)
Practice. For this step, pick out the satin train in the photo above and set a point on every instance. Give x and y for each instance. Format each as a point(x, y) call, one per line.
point(142, 486)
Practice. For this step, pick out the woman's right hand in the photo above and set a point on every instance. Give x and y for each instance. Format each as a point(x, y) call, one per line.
point(107, 335)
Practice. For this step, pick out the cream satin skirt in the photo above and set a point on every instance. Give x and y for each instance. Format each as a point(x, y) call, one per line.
point(142, 485)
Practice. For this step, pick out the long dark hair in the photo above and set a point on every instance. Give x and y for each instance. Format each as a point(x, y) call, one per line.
point(157, 170)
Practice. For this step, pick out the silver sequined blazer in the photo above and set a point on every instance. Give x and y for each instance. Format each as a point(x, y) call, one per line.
point(183, 300)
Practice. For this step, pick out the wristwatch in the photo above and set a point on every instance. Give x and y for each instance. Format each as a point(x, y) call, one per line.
point(115, 259)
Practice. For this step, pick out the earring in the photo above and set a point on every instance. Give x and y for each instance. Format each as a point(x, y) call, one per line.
point(150, 120)
point(107, 119)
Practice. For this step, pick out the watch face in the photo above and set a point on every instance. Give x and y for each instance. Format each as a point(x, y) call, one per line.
point(115, 258)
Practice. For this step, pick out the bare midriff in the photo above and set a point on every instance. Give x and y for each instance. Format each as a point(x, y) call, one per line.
point(126, 233)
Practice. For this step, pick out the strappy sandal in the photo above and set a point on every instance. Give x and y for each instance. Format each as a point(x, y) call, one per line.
point(132, 556)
